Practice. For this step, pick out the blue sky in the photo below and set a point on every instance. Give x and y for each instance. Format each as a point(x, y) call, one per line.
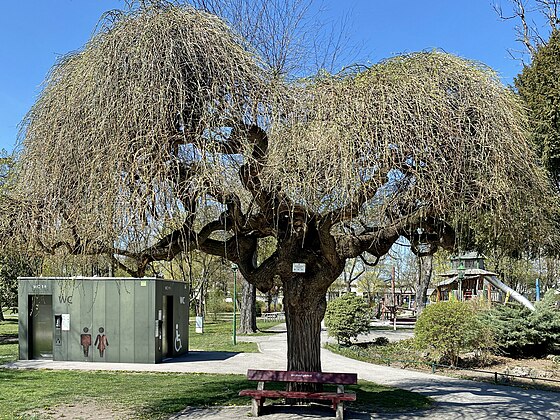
point(34, 33)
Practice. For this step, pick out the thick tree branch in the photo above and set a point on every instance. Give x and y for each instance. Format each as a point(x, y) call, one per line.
point(367, 192)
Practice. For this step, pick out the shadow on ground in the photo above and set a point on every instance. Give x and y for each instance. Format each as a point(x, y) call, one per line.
point(487, 400)
point(202, 356)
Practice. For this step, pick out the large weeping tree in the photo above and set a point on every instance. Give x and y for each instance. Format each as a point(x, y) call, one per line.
point(166, 117)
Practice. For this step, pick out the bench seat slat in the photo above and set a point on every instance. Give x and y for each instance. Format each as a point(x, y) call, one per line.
point(303, 377)
point(266, 393)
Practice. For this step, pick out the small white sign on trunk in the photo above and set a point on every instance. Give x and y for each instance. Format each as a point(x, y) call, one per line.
point(298, 268)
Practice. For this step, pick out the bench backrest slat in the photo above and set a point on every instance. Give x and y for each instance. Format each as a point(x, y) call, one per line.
point(297, 376)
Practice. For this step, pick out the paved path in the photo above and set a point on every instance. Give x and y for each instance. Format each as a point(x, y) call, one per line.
point(455, 398)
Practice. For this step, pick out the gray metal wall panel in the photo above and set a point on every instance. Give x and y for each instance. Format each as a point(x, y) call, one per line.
point(181, 315)
point(23, 328)
point(63, 302)
point(126, 295)
point(151, 314)
point(84, 323)
point(142, 319)
point(100, 334)
point(115, 292)
point(71, 338)
point(26, 288)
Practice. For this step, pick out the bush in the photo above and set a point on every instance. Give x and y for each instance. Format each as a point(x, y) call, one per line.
point(520, 332)
point(259, 307)
point(445, 329)
point(381, 341)
point(346, 317)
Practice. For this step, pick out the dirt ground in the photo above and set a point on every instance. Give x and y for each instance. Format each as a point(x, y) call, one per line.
point(86, 410)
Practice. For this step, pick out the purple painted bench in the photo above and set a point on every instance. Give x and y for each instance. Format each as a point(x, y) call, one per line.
point(337, 398)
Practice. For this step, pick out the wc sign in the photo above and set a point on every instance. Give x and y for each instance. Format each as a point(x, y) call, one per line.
point(65, 299)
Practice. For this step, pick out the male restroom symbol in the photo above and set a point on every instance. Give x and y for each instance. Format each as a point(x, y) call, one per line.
point(85, 341)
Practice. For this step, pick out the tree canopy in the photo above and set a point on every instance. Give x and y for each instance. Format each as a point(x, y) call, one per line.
point(166, 133)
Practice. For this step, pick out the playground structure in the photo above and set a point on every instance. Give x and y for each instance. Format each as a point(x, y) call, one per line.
point(468, 279)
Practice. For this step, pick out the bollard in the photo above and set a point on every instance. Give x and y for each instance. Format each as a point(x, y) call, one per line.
point(433, 368)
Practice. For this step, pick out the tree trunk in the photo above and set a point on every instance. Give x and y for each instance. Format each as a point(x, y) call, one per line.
point(305, 305)
point(248, 321)
point(425, 264)
point(200, 303)
point(1, 313)
point(268, 301)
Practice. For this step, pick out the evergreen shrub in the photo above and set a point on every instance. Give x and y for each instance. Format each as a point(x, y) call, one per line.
point(520, 332)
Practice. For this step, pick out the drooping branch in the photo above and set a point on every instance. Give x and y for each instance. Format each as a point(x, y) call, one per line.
point(180, 240)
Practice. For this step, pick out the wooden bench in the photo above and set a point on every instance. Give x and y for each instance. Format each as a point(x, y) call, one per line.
point(337, 398)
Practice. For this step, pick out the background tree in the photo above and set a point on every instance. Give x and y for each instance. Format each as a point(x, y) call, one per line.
point(353, 270)
point(13, 266)
point(539, 86)
point(373, 283)
point(537, 26)
point(166, 111)
point(290, 39)
point(535, 20)
point(202, 271)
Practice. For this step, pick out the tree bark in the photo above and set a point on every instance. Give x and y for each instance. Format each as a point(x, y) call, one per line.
point(305, 305)
point(425, 265)
point(269, 301)
point(248, 321)
point(1, 313)
point(200, 306)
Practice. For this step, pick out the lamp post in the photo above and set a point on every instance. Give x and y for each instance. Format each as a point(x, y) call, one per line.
point(460, 277)
point(234, 269)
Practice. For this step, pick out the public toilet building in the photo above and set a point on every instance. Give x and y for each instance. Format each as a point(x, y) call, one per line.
point(109, 319)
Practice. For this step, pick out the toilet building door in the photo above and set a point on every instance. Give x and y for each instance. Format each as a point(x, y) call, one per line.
point(167, 327)
point(40, 324)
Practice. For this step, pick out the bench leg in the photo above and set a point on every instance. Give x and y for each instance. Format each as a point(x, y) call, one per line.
point(340, 411)
point(256, 406)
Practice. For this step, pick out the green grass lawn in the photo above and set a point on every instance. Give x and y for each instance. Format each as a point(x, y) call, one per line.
point(36, 393)
point(159, 395)
point(8, 333)
point(9, 327)
point(217, 336)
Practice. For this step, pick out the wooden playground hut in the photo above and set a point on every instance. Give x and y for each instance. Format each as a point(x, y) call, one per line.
point(469, 279)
